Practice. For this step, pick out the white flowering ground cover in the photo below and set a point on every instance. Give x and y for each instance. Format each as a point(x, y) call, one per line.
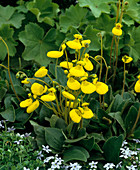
point(45, 158)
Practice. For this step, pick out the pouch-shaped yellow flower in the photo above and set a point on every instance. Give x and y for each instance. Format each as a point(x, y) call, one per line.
point(25, 81)
point(87, 87)
point(74, 45)
point(73, 84)
point(101, 88)
point(68, 95)
point(87, 113)
point(127, 59)
point(85, 43)
point(26, 103)
point(48, 97)
point(75, 115)
point(88, 64)
point(38, 89)
point(55, 54)
point(137, 86)
point(66, 64)
point(77, 71)
point(78, 36)
point(33, 106)
point(117, 29)
point(42, 72)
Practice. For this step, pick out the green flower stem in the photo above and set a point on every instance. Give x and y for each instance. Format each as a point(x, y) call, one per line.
point(60, 98)
point(111, 48)
point(50, 79)
point(94, 59)
point(9, 69)
point(78, 55)
point(81, 123)
point(114, 75)
point(100, 101)
point(123, 80)
point(121, 16)
point(19, 59)
point(101, 63)
point(40, 81)
point(54, 110)
point(22, 73)
point(133, 128)
point(58, 107)
point(65, 112)
point(4, 66)
point(83, 53)
point(118, 10)
point(56, 68)
point(67, 59)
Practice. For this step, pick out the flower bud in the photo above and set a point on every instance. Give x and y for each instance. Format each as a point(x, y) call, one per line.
point(17, 75)
point(66, 71)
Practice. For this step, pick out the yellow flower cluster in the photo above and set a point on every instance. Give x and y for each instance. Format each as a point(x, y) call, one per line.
point(70, 99)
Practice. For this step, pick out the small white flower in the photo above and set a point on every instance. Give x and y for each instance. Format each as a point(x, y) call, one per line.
point(93, 164)
point(46, 148)
point(109, 166)
point(124, 143)
point(126, 153)
point(1, 126)
point(132, 167)
point(18, 142)
point(10, 129)
point(119, 165)
point(40, 155)
point(48, 159)
point(37, 168)
point(26, 168)
point(55, 165)
point(136, 140)
point(75, 166)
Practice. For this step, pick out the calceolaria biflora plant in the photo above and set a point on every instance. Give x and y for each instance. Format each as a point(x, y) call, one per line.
point(69, 100)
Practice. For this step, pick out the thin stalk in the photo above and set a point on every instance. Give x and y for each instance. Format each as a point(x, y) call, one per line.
point(100, 101)
point(4, 66)
point(133, 128)
point(111, 48)
point(123, 80)
point(56, 68)
point(83, 52)
point(94, 59)
point(78, 55)
point(118, 10)
point(9, 69)
point(101, 57)
point(40, 81)
point(57, 104)
point(67, 58)
point(121, 16)
point(81, 123)
point(55, 111)
point(65, 112)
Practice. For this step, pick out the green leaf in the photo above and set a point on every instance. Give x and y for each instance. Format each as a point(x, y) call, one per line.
point(43, 113)
point(134, 48)
point(37, 44)
point(21, 116)
point(98, 137)
point(75, 153)
point(88, 143)
point(74, 16)
point(54, 138)
point(7, 34)
point(112, 147)
point(40, 133)
point(97, 7)
point(2, 93)
point(91, 33)
point(20, 91)
point(45, 10)
point(75, 140)
point(9, 114)
point(9, 15)
point(130, 118)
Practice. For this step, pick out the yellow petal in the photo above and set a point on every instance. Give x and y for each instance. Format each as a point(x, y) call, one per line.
point(75, 115)
point(127, 59)
point(73, 84)
point(137, 86)
point(85, 43)
point(38, 89)
point(33, 106)
point(26, 102)
point(25, 81)
point(55, 54)
point(87, 87)
point(48, 97)
point(117, 31)
point(87, 113)
point(78, 36)
point(74, 45)
point(66, 64)
point(42, 72)
point(101, 88)
point(88, 64)
point(68, 95)
point(77, 71)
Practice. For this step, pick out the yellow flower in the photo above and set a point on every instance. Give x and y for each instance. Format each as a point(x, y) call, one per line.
point(26, 103)
point(127, 59)
point(48, 97)
point(117, 29)
point(68, 95)
point(33, 106)
point(85, 104)
point(77, 114)
point(101, 88)
point(73, 84)
point(88, 64)
point(55, 54)
point(74, 45)
point(63, 47)
point(38, 89)
point(70, 103)
point(85, 43)
point(77, 36)
point(25, 81)
point(82, 63)
point(77, 71)
point(42, 72)
point(137, 85)
point(52, 90)
point(66, 64)
point(87, 87)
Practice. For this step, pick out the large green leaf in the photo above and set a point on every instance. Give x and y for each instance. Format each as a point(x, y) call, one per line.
point(2, 93)
point(74, 16)
point(37, 44)
point(134, 43)
point(97, 7)
point(88, 143)
point(112, 147)
point(7, 34)
point(9, 15)
point(9, 114)
point(45, 10)
point(54, 138)
point(75, 153)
